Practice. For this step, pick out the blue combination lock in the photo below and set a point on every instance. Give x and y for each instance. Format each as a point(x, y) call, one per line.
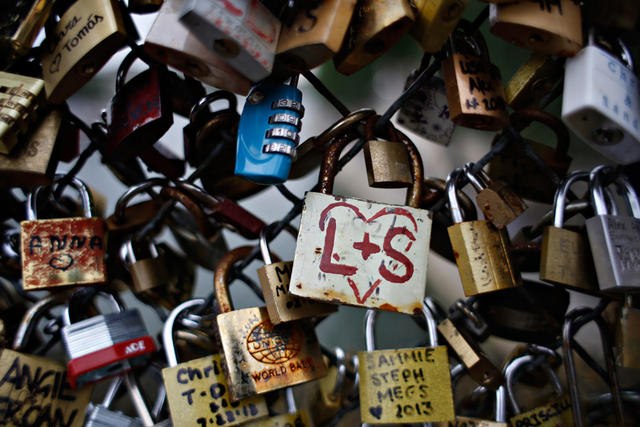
point(268, 132)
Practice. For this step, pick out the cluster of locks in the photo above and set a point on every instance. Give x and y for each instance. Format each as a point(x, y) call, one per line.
point(239, 366)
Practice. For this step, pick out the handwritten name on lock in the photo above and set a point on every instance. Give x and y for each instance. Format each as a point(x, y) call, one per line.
point(64, 251)
point(362, 253)
point(34, 392)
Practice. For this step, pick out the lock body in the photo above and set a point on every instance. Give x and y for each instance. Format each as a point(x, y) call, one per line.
point(361, 253)
point(482, 256)
point(435, 20)
point(500, 204)
point(532, 81)
point(387, 164)
point(181, 49)
point(281, 305)
point(62, 252)
point(242, 32)
point(627, 337)
point(566, 259)
point(601, 104)
point(203, 383)
point(426, 387)
point(18, 107)
point(615, 245)
point(268, 133)
point(149, 273)
point(87, 35)
point(260, 357)
point(19, 26)
point(106, 345)
point(315, 35)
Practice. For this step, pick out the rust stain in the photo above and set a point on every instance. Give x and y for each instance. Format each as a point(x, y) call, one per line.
point(299, 285)
point(456, 255)
point(388, 307)
point(318, 250)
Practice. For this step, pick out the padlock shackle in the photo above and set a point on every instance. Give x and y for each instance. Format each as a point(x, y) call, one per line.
point(76, 183)
point(560, 130)
point(623, 53)
point(188, 201)
point(370, 329)
point(501, 404)
point(474, 41)
point(167, 329)
point(452, 194)
point(516, 365)
point(222, 273)
point(626, 188)
point(478, 180)
point(341, 366)
point(560, 198)
point(113, 299)
point(31, 317)
point(597, 190)
point(292, 408)
point(123, 69)
point(264, 244)
point(428, 309)
point(125, 198)
point(210, 98)
point(332, 155)
point(338, 128)
point(440, 185)
point(112, 391)
point(137, 399)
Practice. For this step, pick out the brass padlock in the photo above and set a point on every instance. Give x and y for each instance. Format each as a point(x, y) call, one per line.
point(274, 279)
point(259, 356)
point(474, 88)
point(435, 20)
point(20, 99)
point(499, 204)
point(387, 161)
point(533, 80)
point(84, 39)
point(375, 27)
point(566, 258)
point(515, 166)
point(422, 379)
point(34, 161)
point(627, 335)
point(146, 272)
point(549, 27)
point(483, 257)
point(197, 390)
point(20, 24)
point(315, 35)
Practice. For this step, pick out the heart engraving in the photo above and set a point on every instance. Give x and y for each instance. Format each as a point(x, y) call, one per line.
point(62, 262)
point(376, 411)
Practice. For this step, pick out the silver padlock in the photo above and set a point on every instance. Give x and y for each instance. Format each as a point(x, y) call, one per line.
point(101, 416)
point(614, 239)
point(105, 345)
point(601, 100)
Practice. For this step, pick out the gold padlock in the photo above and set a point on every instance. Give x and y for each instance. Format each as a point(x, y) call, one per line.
point(387, 161)
point(274, 277)
point(627, 335)
point(19, 27)
point(259, 356)
point(474, 88)
point(315, 35)
point(550, 27)
point(19, 101)
point(435, 20)
point(84, 39)
point(533, 80)
point(375, 27)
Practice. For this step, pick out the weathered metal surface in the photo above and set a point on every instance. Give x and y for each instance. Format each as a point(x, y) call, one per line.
point(198, 394)
point(297, 419)
point(62, 252)
point(362, 253)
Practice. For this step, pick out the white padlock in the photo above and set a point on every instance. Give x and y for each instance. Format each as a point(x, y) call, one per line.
point(171, 43)
point(601, 101)
point(242, 32)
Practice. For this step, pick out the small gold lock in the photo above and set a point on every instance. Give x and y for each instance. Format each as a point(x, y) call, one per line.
point(375, 27)
point(20, 97)
point(20, 27)
point(533, 80)
point(259, 356)
point(627, 336)
point(387, 161)
point(435, 20)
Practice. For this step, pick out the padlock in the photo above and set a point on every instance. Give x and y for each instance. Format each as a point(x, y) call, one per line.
point(474, 88)
point(435, 20)
point(274, 280)
point(144, 6)
point(268, 132)
point(627, 335)
point(422, 390)
point(328, 400)
point(48, 400)
point(532, 312)
point(614, 239)
point(315, 35)
point(426, 113)
point(105, 345)
point(514, 166)
point(63, 251)
point(84, 39)
point(482, 251)
point(140, 113)
point(362, 253)
point(294, 416)
point(146, 272)
point(500, 411)
point(565, 258)
point(19, 26)
point(20, 99)
point(259, 356)
point(101, 416)
point(34, 161)
point(533, 80)
point(499, 203)
point(552, 27)
point(197, 390)
point(181, 49)
point(555, 413)
point(375, 27)
point(387, 161)
point(601, 102)
point(243, 33)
